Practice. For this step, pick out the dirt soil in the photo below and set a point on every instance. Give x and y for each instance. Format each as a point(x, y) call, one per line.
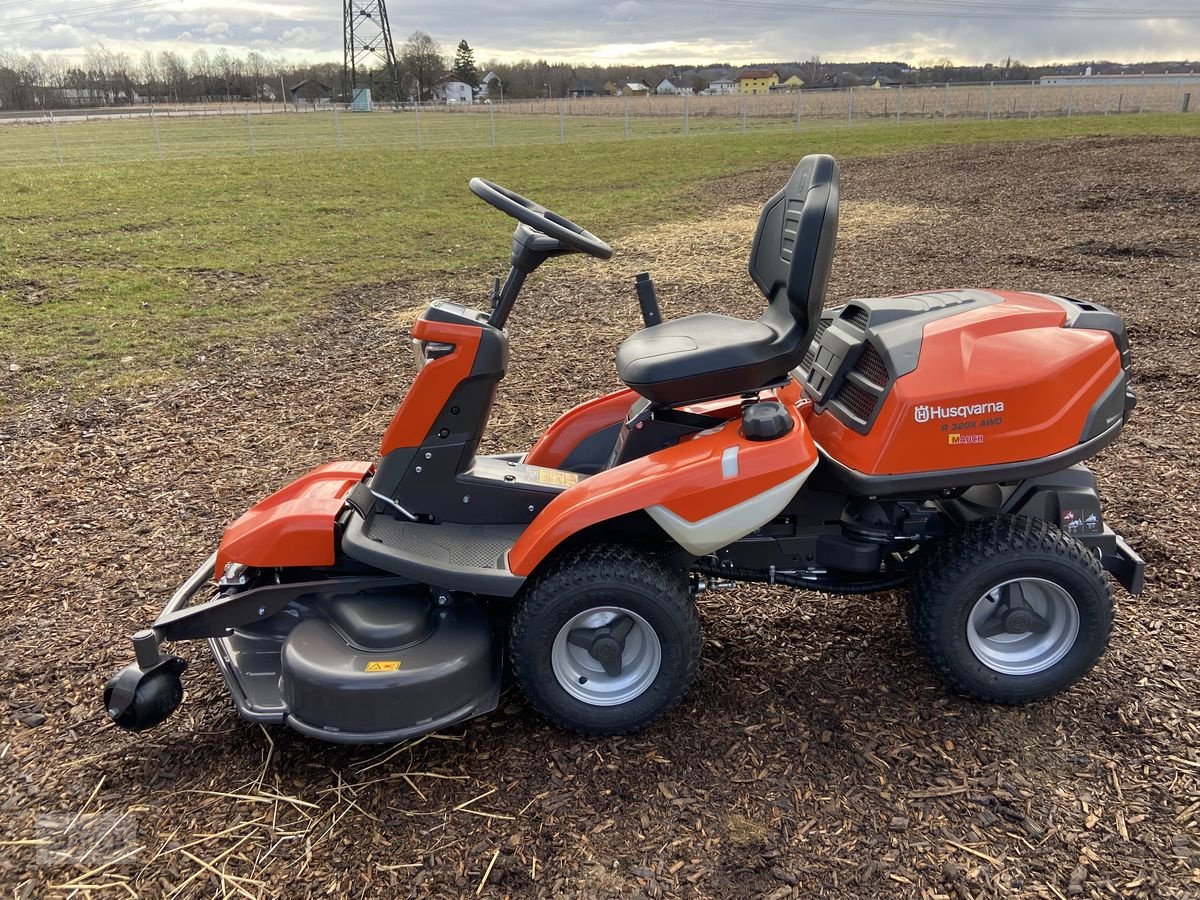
point(815, 755)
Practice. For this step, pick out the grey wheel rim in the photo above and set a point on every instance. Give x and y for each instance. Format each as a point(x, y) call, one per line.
point(606, 656)
point(1023, 626)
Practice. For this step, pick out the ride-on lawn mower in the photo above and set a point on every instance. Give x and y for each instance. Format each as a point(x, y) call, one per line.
point(933, 440)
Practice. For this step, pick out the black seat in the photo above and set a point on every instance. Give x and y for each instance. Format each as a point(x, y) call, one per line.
point(708, 355)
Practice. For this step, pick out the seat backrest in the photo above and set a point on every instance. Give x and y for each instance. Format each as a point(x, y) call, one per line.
point(793, 246)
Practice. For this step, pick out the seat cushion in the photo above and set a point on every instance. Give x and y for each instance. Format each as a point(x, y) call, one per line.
point(702, 356)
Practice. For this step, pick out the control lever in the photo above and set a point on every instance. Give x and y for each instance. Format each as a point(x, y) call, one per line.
point(496, 293)
point(648, 300)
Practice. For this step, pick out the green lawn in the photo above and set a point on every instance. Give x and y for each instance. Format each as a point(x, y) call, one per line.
point(153, 260)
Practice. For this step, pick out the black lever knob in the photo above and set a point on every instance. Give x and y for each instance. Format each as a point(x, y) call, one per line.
point(648, 300)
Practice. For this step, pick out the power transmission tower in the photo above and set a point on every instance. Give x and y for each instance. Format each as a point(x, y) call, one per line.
point(369, 59)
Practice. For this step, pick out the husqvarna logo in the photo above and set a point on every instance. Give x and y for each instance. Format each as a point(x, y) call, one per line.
point(926, 413)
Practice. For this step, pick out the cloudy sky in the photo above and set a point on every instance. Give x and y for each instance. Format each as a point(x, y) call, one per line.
point(646, 31)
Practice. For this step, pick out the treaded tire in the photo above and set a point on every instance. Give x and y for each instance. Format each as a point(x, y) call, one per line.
point(971, 561)
point(599, 575)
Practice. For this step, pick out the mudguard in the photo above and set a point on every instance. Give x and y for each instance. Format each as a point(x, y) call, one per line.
point(295, 525)
point(705, 492)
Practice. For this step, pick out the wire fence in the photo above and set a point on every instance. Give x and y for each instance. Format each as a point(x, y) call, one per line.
point(145, 133)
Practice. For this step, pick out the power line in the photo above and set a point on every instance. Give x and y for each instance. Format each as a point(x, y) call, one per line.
point(85, 12)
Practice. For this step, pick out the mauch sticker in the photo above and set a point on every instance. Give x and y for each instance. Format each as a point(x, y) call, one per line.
point(954, 438)
point(384, 665)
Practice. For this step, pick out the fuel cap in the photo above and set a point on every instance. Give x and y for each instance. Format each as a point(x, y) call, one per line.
point(765, 421)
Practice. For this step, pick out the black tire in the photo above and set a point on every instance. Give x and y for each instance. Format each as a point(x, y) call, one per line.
point(963, 568)
point(594, 576)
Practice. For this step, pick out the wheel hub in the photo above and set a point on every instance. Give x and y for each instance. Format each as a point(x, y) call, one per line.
point(606, 656)
point(1023, 626)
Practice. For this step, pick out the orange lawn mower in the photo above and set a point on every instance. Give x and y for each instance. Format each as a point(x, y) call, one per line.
point(932, 440)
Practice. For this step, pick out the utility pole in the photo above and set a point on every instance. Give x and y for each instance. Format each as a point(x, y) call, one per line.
point(368, 56)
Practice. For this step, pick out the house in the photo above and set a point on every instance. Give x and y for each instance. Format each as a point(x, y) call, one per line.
point(450, 89)
point(609, 89)
point(486, 84)
point(581, 89)
point(311, 91)
point(792, 83)
point(882, 81)
point(634, 89)
point(676, 86)
point(723, 86)
point(757, 81)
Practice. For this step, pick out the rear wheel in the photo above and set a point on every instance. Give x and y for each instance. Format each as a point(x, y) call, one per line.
point(606, 640)
point(1010, 610)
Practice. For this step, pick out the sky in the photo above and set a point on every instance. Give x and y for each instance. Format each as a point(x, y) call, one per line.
point(633, 31)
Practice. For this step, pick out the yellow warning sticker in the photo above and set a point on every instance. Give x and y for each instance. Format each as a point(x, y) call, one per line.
point(557, 477)
point(385, 665)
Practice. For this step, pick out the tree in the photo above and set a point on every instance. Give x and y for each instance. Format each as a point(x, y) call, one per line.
point(422, 63)
point(464, 64)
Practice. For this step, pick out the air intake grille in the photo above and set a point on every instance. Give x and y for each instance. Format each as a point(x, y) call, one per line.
point(856, 316)
point(871, 366)
point(855, 400)
point(811, 353)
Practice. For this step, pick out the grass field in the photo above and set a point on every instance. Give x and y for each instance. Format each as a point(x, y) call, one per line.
point(816, 755)
point(112, 274)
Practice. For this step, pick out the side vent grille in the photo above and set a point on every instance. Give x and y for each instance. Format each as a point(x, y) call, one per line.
point(855, 400)
point(871, 366)
point(856, 316)
point(811, 353)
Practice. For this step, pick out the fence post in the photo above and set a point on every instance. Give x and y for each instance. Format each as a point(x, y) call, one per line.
point(899, 102)
point(799, 106)
point(492, 121)
point(562, 124)
point(1032, 84)
point(849, 106)
point(686, 114)
point(417, 112)
point(250, 131)
point(1142, 100)
point(1107, 95)
point(946, 102)
point(991, 92)
point(743, 113)
point(626, 118)
point(57, 143)
point(337, 127)
point(1070, 100)
point(1179, 95)
point(157, 139)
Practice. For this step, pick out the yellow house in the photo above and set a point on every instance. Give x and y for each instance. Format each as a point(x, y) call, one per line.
point(793, 84)
point(757, 81)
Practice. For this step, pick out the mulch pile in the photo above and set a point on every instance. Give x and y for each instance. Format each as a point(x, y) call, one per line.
point(815, 756)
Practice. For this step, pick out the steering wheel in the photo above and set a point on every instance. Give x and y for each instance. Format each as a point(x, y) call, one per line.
point(540, 219)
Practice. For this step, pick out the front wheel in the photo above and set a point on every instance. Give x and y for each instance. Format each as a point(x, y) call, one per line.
point(605, 641)
point(1010, 610)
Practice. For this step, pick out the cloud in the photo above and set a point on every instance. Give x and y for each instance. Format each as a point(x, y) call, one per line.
point(681, 31)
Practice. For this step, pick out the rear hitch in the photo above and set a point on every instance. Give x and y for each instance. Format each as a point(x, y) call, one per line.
point(148, 690)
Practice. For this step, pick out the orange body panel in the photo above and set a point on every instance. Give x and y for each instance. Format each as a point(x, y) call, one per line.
point(575, 425)
point(687, 478)
point(294, 526)
point(434, 383)
point(996, 385)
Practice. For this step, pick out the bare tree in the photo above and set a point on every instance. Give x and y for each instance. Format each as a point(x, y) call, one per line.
point(422, 63)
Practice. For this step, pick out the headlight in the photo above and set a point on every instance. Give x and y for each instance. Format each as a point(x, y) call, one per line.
point(424, 351)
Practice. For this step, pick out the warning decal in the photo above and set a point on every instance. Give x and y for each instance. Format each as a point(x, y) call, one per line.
point(384, 665)
point(557, 477)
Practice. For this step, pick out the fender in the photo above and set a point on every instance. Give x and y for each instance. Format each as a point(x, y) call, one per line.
point(293, 526)
point(578, 424)
point(704, 492)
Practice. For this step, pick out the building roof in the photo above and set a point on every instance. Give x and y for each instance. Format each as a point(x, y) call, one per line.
point(300, 84)
point(636, 86)
point(723, 81)
point(578, 87)
point(757, 73)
